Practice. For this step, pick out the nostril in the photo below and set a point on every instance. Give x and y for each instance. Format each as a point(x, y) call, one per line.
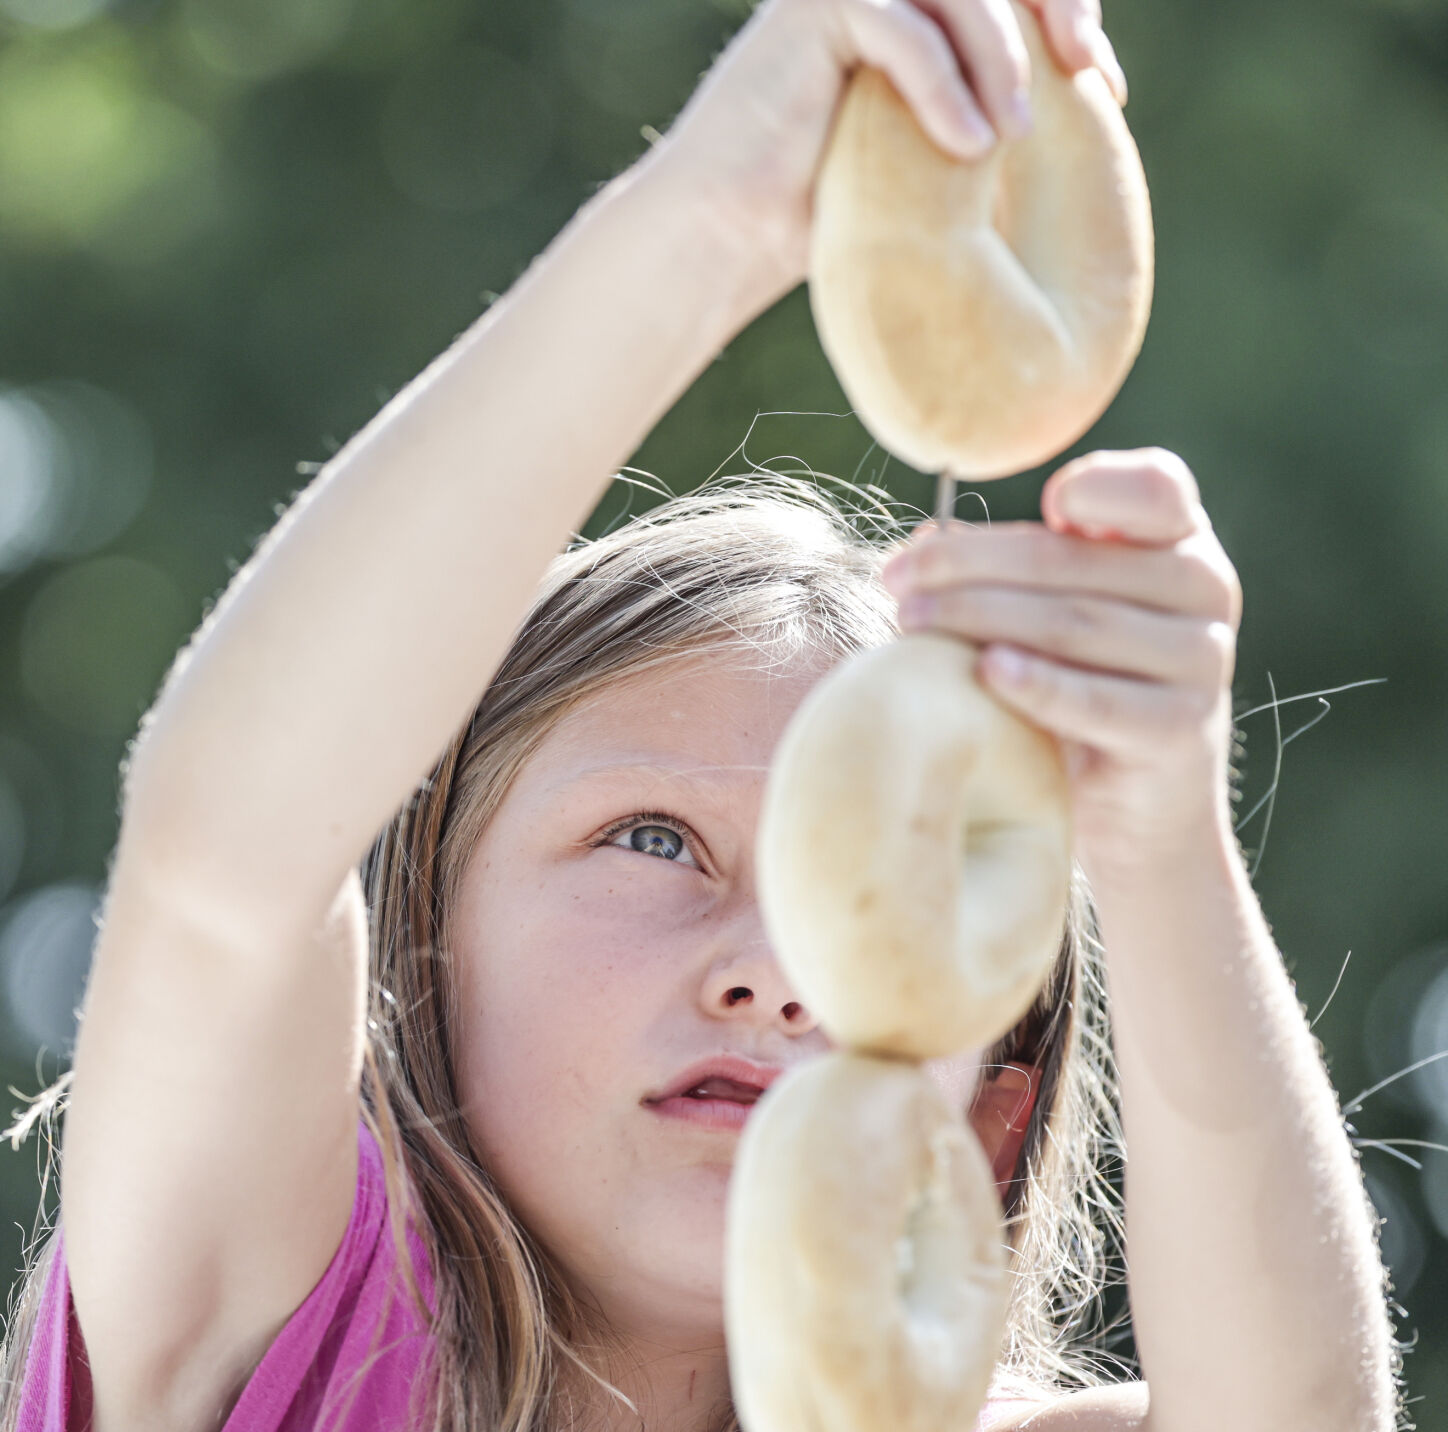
point(738, 993)
point(791, 1009)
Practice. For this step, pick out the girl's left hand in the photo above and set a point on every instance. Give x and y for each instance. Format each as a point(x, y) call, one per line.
point(1113, 626)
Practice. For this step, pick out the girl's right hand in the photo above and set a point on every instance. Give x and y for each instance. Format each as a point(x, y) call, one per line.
point(748, 144)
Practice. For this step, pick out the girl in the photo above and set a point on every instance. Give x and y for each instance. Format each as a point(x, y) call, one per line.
point(415, 1171)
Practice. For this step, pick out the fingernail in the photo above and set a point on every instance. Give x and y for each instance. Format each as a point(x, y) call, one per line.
point(1006, 664)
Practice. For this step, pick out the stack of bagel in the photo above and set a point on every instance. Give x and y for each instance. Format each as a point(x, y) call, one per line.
point(914, 849)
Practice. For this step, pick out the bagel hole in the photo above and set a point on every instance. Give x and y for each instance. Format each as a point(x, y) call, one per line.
point(922, 1255)
point(929, 1273)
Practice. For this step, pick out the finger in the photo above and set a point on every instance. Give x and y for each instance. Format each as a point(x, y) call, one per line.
point(1073, 32)
point(904, 42)
point(1146, 496)
point(1193, 579)
point(1103, 55)
point(1117, 714)
point(1066, 39)
point(1103, 635)
point(988, 40)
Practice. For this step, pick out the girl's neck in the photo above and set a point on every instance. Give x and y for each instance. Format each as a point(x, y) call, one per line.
point(674, 1391)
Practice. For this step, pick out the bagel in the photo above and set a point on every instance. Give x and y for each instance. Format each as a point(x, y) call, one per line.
point(980, 315)
point(913, 853)
point(867, 1286)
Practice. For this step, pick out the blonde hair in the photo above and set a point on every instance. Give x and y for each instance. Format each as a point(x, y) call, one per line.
point(762, 565)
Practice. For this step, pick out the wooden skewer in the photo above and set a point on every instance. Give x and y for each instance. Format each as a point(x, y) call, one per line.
point(944, 499)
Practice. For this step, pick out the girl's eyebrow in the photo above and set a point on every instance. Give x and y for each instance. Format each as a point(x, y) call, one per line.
point(693, 774)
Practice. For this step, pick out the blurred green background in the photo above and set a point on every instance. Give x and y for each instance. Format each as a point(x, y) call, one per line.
point(229, 229)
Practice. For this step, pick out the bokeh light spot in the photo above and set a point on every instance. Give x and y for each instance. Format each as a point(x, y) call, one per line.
point(1400, 1237)
point(1434, 1178)
point(85, 146)
point(1387, 1029)
point(103, 466)
point(27, 463)
point(46, 942)
point(1430, 1036)
point(75, 469)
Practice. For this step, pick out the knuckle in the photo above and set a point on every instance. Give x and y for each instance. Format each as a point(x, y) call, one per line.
point(1101, 701)
point(1036, 553)
point(1232, 592)
point(1072, 620)
point(1191, 705)
point(1225, 589)
point(1214, 582)
point(1216, 653)
point(1064, 17)
point(1223, 642)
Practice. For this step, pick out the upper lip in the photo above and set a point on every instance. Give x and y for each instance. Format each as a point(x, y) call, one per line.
point(719, 1066)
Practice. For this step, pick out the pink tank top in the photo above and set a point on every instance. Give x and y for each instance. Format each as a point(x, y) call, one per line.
point(308, 1373)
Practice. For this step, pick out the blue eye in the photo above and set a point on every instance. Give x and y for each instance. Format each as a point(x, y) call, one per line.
point(651, 833)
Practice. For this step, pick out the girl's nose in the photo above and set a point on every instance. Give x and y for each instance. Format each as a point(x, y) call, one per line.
point(754, 989)
point(791, 1012)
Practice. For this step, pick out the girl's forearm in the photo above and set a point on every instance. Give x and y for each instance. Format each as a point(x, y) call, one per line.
point(1254, 1281)
point(351, 646)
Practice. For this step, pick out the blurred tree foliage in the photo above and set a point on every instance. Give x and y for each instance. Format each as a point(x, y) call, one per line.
point(230, 228)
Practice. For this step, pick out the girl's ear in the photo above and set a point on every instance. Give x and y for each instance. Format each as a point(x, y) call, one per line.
point(1000, 1114)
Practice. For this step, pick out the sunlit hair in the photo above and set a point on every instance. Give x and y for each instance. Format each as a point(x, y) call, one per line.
point(763, 568)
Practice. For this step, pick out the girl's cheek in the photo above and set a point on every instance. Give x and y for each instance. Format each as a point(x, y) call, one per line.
point(611, 885)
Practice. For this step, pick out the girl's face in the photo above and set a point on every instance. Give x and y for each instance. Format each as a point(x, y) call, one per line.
point(595, 967)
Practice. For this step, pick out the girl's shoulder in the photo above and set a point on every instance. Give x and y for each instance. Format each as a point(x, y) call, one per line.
point(347, 1358)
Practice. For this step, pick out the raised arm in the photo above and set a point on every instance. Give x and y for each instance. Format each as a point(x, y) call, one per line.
point(348, 649)
point(210, 1146)
point(1256, 1285)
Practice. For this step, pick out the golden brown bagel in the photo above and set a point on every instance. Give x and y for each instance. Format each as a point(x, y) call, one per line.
point(865, 1285)
point(913, 853)
point(980, 315)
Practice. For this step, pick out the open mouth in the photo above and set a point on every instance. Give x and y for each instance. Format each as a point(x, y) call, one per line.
point(716, 1103)
point(726, 1089)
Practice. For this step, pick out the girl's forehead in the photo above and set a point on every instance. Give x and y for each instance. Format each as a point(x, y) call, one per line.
point(705, 723)
point(713, 690)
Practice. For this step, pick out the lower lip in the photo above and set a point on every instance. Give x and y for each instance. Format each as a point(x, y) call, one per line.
point(709, 1113)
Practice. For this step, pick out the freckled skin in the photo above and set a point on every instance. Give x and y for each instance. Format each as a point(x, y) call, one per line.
point(589, 977)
